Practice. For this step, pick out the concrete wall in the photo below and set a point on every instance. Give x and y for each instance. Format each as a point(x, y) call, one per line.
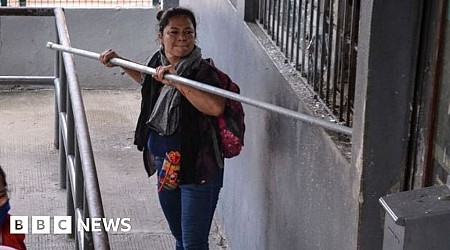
point(131, 32)
point(291, 188)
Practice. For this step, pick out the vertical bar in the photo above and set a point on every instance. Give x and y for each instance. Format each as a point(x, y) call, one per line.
point(337, 55)
point(288, 28)
point(293, 37)
point(56, 74)
point(79, 180)
point(70, 152)
point(344, 64)
point(352, 60)
point(311, 39)
point(283, 24)
point(299, 37)
point(316, 47)
point(277, 41)
point(70, 207)
point(323, 51)
point(262, 13)
point(305, 39)
point(62, 103)
point(272, 14)
point(329, 49)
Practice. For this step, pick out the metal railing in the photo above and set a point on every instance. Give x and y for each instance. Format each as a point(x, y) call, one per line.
point(77, 166)
point(319, 38)
point(210, 89)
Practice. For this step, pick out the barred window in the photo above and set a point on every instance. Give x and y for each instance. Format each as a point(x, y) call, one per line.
point(319, 38)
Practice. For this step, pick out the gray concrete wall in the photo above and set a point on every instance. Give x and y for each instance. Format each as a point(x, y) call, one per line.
point(291, 188)
point(129, 31)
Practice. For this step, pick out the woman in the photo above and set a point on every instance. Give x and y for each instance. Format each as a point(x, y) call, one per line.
point(15, 241)
point(189, 176)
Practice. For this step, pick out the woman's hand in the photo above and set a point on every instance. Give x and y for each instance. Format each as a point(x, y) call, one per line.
point(161, 71)
point(106, 56)
point(206, 103)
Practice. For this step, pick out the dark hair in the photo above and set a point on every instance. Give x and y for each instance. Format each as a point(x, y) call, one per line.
point(3, 177)
point(164, 17)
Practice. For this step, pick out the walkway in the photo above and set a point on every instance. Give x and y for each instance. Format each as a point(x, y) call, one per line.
point(31, 163)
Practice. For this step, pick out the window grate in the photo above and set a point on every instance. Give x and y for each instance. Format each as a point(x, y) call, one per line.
point(319, 38)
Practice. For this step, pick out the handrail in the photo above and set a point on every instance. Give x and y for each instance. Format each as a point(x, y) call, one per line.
point(210, 89)
point(71, 135)
point(84, 197)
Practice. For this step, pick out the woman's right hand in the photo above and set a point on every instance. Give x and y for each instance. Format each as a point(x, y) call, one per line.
point(106, 56)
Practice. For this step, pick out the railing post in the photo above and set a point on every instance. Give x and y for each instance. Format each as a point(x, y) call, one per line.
point(79, 186)
point(70, 153)
point(57, 96)
point(62, 115)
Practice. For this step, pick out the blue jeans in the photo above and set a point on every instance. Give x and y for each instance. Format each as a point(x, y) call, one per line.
point(189, 210)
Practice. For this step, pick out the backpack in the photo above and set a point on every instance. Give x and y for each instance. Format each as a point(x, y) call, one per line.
point(231, 126)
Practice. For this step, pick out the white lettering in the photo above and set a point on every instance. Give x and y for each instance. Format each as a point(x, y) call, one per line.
point(96, 226)
point(83, 226)
point(126, 226)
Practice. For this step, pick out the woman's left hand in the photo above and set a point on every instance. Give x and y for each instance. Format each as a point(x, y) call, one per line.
point(161, 71)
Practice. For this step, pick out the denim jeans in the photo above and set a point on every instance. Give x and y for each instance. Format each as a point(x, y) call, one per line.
point(189, 210)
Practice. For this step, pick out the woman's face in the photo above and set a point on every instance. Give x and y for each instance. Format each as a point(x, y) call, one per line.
point(178, 38)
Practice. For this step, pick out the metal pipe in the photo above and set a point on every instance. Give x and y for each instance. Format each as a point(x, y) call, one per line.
point(210, 89)
point(30, 80)
point(29, 11)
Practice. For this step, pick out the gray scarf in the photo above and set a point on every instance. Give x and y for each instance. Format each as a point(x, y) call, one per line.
point(166, 113)
point(186, 64)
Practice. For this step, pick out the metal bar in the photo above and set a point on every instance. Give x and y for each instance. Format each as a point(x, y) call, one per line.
point(322, 49)
point(282, 13)
point(305, 18)
point(29, 80)
point(352, 61)
point(330, 50)
point(278, 8)
point(337, 56)
point(300, 39)
point(69, 200)
point(210, 89)
point(294, 15)
point(316, 47)
point(344, 64)
point(57, 95)
point(13, 11)
point(288, 26)
point(62, 113)
point(93, 196)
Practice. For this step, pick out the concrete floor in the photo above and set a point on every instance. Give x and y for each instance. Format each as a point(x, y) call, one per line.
point(30, 160)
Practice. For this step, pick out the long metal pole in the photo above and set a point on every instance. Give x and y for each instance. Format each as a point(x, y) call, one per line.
point(210, 89)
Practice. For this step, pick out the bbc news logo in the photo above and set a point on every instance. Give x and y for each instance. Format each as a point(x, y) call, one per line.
point(63, 224)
